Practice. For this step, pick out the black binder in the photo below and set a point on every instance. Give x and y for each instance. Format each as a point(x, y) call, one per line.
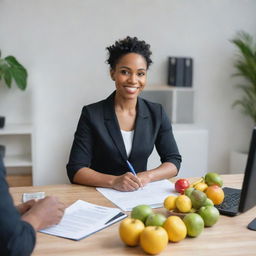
point(180, 71)
point(188, 73)
point(172, 71)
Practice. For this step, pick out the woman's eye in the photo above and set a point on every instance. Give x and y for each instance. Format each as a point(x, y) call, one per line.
point(124, 72)
point(141, 74)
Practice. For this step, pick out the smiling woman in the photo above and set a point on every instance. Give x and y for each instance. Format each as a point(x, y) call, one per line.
point(129, 75)
point(123, 127)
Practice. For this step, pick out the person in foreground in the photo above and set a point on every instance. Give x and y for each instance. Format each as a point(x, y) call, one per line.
point(123, 127)
point(19, 224)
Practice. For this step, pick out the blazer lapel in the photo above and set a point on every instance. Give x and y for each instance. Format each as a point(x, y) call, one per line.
point(140, 125)
point(113, 126)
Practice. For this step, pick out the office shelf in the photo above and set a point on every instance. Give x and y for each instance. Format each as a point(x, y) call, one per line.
point(17, 139)
point(16, 129)
point(178, 102)
point(18, 161)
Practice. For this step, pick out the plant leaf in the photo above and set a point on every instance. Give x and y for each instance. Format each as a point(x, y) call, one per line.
point(245, 65)
point(244, 42)
point(17, 71)
point(8, 78)
point(20, 77)
point(12, 61)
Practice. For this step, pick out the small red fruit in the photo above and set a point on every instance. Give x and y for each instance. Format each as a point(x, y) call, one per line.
point(181, 185)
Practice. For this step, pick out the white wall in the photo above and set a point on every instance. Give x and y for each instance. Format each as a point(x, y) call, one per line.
point(62, 44)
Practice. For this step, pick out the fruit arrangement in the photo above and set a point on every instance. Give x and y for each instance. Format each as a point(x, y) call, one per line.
point(195, 204)
point(145, 228)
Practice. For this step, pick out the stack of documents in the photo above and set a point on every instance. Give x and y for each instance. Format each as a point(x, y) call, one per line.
point(82, 219)
point(152, 194)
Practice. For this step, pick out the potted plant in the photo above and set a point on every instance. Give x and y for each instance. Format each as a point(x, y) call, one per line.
point(245, 65)
point(11, 69)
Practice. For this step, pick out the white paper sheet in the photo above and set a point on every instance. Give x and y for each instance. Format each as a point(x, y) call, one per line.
point(152, 194)
point(82, 219)
point(28, 196)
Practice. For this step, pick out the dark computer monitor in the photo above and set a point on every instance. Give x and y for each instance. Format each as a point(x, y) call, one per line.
point(240, 200)
point(248, 193)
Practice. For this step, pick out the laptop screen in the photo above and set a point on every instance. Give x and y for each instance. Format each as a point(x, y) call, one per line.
point(248, 193)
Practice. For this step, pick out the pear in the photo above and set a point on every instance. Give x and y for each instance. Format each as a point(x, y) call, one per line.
point(198, 198)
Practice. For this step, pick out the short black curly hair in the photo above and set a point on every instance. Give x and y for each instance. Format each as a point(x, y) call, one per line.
point(125, 46)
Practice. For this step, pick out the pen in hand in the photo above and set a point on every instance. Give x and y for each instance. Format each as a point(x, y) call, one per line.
point(131, 168)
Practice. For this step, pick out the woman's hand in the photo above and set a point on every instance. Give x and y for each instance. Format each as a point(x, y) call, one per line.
point(127, 182)
point(24, 207)
point(145, 177)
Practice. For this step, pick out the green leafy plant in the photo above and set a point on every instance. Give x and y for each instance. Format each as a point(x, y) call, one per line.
point(11, 69)
point(245, 65)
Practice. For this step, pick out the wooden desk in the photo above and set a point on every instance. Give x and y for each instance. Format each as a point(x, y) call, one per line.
point(228, 237)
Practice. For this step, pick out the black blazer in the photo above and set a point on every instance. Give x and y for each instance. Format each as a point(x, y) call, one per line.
point(17, 237)
point(98, 141)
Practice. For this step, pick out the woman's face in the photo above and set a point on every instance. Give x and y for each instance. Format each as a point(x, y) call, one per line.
point(130, 75)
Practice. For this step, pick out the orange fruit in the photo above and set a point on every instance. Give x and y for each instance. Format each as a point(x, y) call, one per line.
point(215, 193)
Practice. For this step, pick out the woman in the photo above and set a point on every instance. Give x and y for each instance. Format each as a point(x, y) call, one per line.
point(123, 127)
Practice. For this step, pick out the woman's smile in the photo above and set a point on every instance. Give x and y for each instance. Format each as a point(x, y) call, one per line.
point(131, 89)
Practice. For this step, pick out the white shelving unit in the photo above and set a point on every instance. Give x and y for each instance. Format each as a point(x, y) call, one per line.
point(191, 139)
point(192, 142)
point(17, 138)
point(16, 129)
point(18, 161)
point(164, 87)
point(177, 101)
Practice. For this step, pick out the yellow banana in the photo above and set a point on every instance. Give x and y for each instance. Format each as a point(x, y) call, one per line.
point(192, 185)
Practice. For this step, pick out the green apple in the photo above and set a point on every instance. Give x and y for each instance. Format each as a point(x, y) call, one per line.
point(208, 202)
point(210, 215)
point(141, 212)
point(194, 223)
point(155, 219)
point(213, 178)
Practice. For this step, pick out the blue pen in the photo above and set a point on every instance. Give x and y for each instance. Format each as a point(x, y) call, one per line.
point(131, 168)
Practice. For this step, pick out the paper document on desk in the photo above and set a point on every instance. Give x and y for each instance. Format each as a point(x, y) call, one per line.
point(152, 194)
point(29, 196)
point(82, 219)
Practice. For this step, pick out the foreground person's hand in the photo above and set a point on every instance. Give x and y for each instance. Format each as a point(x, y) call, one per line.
point(24, 207)
point(44, 213)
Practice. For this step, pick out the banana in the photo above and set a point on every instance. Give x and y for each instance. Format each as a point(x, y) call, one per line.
point(192, 185)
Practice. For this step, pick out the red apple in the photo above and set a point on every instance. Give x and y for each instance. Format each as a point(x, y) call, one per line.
point(181, 185)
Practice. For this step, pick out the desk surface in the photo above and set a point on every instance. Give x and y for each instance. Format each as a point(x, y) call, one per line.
point(228, 237)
